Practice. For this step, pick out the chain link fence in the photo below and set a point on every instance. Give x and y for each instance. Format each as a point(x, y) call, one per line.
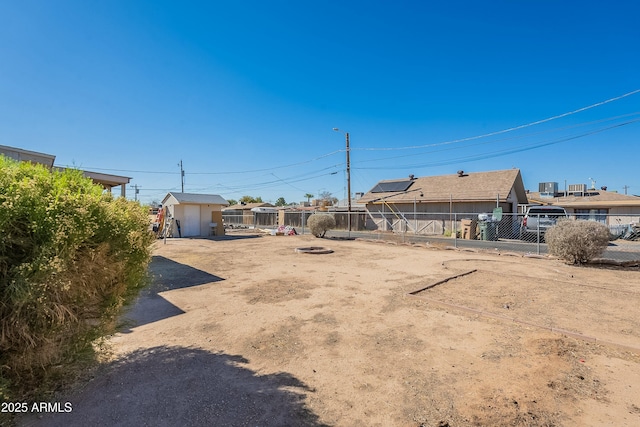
point(504, 233)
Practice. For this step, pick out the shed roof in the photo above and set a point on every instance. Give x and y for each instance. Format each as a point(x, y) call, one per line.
point(465, 187)
point(194, 199)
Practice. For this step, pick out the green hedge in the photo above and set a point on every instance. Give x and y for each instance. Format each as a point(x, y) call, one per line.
point(70, 256)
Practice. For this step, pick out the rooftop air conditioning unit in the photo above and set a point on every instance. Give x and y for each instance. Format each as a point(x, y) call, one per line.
point(577, 188)
point(548, 189)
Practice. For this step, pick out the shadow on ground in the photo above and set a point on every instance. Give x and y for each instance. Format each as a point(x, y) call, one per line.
point(177, 386)
point(167, 275)
point(234, 237)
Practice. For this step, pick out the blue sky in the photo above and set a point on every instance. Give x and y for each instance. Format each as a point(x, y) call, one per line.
point(246, 93)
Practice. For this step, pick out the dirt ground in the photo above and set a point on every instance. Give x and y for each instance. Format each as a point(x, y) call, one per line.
point(245, 331)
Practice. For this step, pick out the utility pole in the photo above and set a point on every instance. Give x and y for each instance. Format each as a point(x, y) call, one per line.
point(346, 134)
point(182, 176)
point(136, 192)
point(348, 183)
point(625, 189)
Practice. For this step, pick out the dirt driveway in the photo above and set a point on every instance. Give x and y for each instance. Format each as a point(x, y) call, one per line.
point(245, 331)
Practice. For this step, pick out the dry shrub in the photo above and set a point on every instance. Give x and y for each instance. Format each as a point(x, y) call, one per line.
point(577, 241)
point(319, 224)
point(70, 256)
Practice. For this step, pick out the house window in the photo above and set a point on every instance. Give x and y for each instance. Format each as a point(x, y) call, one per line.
point(599, 215)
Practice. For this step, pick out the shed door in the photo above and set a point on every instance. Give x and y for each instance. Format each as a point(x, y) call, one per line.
point(191, 225)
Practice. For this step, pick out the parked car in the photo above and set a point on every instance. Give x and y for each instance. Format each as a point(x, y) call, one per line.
point(539, 219)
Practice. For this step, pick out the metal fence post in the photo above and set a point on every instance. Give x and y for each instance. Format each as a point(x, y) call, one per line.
point(538, 235)
point(455, 230)
point(404, 230)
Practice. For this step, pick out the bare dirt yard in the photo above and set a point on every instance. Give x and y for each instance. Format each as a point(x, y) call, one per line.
point(246, 331)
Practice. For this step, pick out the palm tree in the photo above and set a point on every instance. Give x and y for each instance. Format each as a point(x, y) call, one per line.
point(308, 196)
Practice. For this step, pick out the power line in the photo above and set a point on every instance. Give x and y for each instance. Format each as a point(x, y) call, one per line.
point(579, 110)
point(290, 185)
point(502, 139)
point(262, 185)
point(272, 168)
point(499, 153)
point(375, 148)
point(216, 173)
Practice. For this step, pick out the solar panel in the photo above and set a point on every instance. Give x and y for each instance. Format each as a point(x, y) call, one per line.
point(391, 186)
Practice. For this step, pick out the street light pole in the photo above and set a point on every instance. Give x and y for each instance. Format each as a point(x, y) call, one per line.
point(348, 180)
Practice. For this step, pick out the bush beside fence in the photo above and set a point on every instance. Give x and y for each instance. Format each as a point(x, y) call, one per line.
point(463, 230)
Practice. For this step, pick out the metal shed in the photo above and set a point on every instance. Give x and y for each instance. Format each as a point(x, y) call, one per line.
point(199, 215)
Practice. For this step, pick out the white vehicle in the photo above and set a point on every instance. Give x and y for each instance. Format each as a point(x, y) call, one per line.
point(539, 219)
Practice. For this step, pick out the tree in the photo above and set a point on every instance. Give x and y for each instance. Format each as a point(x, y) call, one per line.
point(327, 198)
point(308, 196)
point(281, 202)
point(325, 195)
point(250, 199)
point(232, 202)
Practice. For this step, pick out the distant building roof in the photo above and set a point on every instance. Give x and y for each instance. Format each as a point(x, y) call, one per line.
point(590, 199)
point(107, 180)
point(461, 187)
point(27, 156)
point(247, 206)
point(194, 198)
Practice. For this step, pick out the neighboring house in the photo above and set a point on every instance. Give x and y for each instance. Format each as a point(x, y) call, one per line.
point(608, 207)
point(27, 156)
point(199, 214)
point(474, 192)
point(343, 204)
point(466, 193)
point(250, 214)
point(107, 181)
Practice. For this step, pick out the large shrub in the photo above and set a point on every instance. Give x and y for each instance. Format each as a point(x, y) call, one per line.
point(69, 257)
point(577, 241)
point(319, 224)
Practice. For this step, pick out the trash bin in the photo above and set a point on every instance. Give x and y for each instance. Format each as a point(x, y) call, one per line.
point(490, 231)
point(488, 227)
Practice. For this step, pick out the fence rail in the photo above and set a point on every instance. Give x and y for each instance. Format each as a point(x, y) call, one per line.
point(508, 233)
